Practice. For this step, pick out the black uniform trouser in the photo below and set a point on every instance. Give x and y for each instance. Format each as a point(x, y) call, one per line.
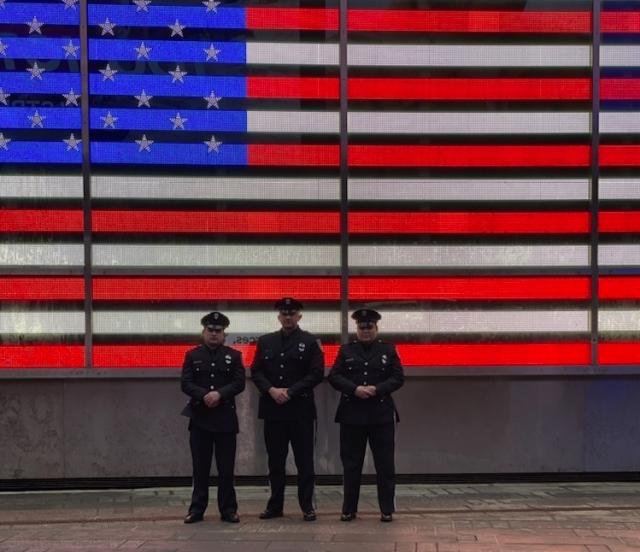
point(353, 445)
point(277, 436)
point(202, 445)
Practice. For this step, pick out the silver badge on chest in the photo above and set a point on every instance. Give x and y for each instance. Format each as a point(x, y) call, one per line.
point(384, 359)
point(301, 347)
point(227, 359)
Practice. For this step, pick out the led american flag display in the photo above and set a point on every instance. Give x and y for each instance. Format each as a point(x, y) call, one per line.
point(181, 157)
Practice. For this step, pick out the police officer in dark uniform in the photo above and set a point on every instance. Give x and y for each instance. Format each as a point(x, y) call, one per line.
point(288, 364)
point(212, 375)
point(366, 372)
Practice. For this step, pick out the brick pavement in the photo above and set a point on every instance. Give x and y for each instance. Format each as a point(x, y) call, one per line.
point(571, 517)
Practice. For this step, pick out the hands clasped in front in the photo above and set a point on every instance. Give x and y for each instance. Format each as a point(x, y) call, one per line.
point(365, 391)
point(212, 399)
point(279, 394)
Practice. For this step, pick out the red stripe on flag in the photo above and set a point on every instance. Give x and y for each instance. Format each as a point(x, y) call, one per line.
point(619, 221)
point(619, 287)
point(469, 156)
point(168, 356)
point(495, 354)
point(45, 288)
point(620, 22)
point(227, 222)
point(307, 88)
point(304, 19)
point(41, 356)
point(429, 21)
point(625, 352)
point(620, 89)
point(40, 220)
point(620, 156)
point(476, 21)
point(214, 289)
point(469, 89)
point(469, 223)
point(470, 288)
point(293, 155)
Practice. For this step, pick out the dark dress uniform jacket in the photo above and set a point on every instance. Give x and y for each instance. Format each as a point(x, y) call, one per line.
point(205, 370)
point(295, 362)
point(357, 364)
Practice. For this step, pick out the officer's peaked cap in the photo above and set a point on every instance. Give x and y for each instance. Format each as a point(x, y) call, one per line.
point(215, 319)
point(288, 304)
point(366, 315)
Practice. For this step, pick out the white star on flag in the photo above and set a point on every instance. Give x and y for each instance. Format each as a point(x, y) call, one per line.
point(3, 96)
point(211, 5)
point(36, 119)
point(144, 143)
point(108, 73)
point(212, 145)
point(3, 48)
point(212, 100)
point(176, 29)
point(109, 120)
point(178, 122)
point(143, 99)
point(36, 72)
point(71, 97)
point(72, 142)
point(70, 50)
point(141, 5)
point(34, 26)
point(211, 52)
point(4, 141)
point(178, 74)
point(143, 51)
point(107, 27)
point(70, 4)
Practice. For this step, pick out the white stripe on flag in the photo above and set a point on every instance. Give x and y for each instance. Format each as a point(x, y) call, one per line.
point(468, 189)
point(188, 322)
point(37, 254)
point(619, 122)
point(41, 322)
point(619, 188)
point(508, 321)
point(622, 320)
point(620, 55)
point(49, 186)
point(291, 53)
point(469, 123)
point(619, 254)
point(231, 188)
point(293, 121)
point(218, 256)
point(469, 55)
point(466, 256)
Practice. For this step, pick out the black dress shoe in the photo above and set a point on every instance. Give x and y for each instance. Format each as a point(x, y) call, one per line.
point(231, 517)
point(310, 515)
point(349, 516)
point(270, 514)
point(386, 517)
point(192, 518)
